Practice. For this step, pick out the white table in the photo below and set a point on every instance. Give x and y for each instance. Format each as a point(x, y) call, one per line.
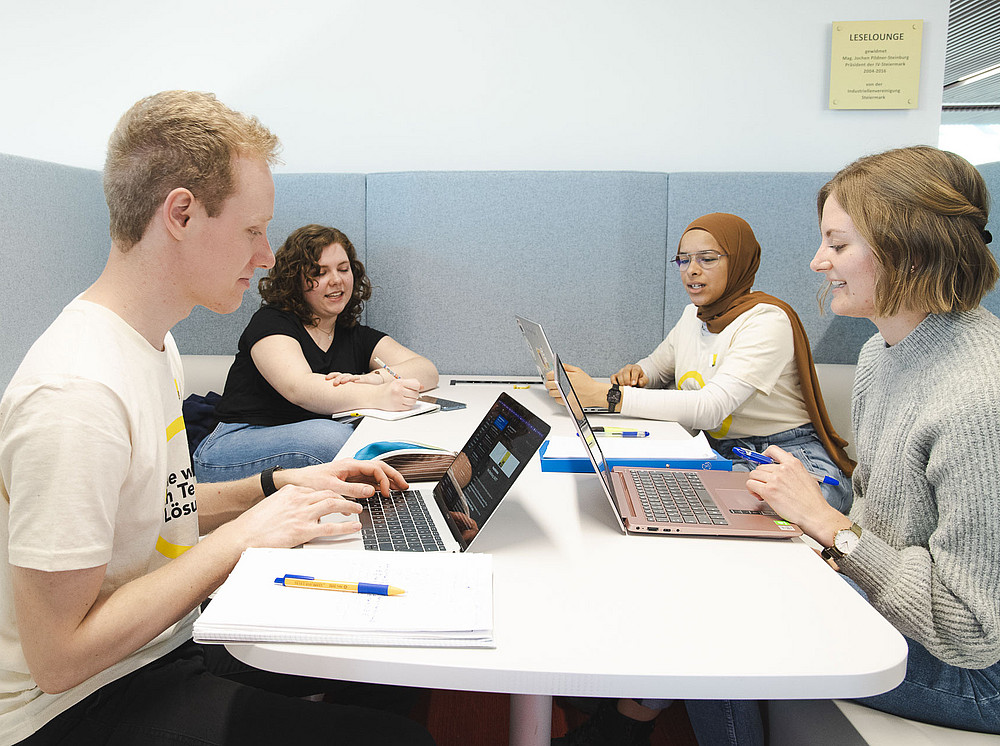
point(581, 609)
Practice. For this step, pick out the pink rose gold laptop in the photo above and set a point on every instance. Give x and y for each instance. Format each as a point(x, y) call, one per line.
point(657, 502)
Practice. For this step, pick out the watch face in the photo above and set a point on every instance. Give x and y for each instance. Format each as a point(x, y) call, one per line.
point(846, 540)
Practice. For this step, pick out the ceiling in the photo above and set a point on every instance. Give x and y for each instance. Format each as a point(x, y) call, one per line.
point(973, 47)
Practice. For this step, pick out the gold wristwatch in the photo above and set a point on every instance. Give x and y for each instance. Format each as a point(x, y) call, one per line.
point(844, 542)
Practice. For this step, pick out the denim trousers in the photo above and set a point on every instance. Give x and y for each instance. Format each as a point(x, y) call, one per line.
point(236, 450)
point(931, 692)
point(803, 443)
point(200, 694)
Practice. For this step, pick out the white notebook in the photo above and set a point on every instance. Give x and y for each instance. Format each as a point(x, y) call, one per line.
point(384, 414)
point(448, 600)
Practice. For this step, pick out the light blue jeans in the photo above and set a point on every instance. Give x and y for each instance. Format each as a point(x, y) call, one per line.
point(237, 450)
point(803, 443)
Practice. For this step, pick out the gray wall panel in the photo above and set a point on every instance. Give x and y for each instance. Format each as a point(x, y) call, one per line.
point(455, 256)
point(53, 243)
point(336, 200)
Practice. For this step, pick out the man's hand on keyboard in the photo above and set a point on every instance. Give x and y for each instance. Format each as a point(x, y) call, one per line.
point(347, 477)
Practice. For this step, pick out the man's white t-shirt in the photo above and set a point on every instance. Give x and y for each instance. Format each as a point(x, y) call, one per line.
point(756, 348)
point(94, 470)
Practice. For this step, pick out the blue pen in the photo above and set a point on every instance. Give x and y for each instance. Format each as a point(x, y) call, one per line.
point(759, 458)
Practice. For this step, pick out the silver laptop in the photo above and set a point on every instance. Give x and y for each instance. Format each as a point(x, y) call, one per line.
point(541, 353)
point(675, 501)
point(449, 518)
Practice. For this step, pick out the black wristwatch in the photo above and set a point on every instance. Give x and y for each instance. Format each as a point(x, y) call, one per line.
point(267, 480)
point(844, 542)
point(614, 397)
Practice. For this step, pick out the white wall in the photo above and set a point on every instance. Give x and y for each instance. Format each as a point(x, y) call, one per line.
point(385, 85)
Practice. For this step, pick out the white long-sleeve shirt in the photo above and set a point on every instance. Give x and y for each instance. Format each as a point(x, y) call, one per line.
point(740, 382)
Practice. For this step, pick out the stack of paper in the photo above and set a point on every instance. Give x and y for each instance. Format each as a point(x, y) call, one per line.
point(683, 451)
point(448, 600)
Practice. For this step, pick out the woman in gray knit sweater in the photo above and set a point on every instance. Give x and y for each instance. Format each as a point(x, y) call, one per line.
point(904, 244)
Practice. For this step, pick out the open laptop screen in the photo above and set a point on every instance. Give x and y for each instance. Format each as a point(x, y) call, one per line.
point(487, 466)
point(538, 345)
point(583, 425)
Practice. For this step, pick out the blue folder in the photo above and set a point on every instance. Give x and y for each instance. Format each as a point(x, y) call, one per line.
point(581, 464)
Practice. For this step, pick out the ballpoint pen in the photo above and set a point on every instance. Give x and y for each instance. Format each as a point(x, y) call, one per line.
point(618, 432)
point(391, 371)
point(307, 581)
point(759, 458)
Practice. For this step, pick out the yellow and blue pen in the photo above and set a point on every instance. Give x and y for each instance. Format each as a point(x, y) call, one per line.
point(759, 458)
point(620, 432)
point(391, 371)
point(307, 581)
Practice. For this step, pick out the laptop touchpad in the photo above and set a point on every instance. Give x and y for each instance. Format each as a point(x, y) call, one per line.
point(740, 500)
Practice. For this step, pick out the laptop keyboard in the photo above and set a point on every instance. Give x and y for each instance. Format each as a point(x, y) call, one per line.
point(399, 523)
point(676, 497)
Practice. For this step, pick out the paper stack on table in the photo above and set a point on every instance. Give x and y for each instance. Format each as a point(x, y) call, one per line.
point(695, 447)
point(448, 600)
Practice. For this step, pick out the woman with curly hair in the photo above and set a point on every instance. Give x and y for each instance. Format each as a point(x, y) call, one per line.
point(302, 357)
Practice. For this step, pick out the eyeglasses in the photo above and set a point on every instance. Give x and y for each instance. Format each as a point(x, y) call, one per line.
point(705, 259)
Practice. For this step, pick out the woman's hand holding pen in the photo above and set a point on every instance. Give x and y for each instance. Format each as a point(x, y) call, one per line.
point(795, 495)
point(393, 394)
point(630, 375)
point(399, 394)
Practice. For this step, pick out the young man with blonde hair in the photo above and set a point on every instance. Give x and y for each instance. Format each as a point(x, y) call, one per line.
point(101, 517)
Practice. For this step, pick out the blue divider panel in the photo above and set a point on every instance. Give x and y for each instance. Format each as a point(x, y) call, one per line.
point(53, 244)
point(455, 256)
point(336, 200)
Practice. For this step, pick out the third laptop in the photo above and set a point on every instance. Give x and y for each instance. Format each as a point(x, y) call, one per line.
point(541, 353)
point(450, 517)
point(675, 501)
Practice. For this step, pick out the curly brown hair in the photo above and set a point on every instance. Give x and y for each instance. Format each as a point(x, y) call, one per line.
point(298, 260)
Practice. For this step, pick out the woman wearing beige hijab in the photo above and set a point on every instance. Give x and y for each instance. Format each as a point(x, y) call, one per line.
point(737, 365)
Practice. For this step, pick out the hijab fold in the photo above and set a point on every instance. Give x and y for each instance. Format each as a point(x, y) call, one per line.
point(740, 246)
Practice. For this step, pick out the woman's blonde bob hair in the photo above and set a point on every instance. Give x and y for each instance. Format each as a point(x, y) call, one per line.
point(923, 212)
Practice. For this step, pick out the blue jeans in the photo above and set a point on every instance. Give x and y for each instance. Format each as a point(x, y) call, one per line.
point(802, 443)
point(931, 692)
point(237, 450)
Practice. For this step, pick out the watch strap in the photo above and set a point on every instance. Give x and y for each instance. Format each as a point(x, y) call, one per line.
point(614, 396)
point(831, 553)
point(267, 480)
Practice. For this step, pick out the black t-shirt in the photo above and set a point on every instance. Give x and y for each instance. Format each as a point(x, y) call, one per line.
point(250, 398)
